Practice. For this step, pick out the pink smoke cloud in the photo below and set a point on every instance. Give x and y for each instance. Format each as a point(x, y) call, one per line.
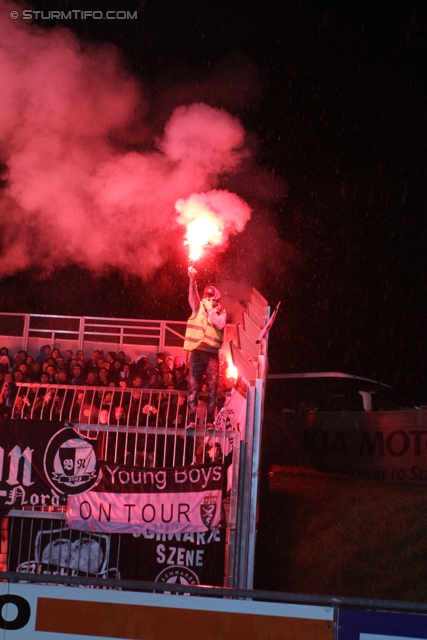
point(73, 193)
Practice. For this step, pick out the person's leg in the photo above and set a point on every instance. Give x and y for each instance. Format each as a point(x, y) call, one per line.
point(196, 370)
point(212, 375)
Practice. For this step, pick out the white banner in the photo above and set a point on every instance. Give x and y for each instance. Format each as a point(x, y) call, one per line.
point(142, 513)
point(129, 500)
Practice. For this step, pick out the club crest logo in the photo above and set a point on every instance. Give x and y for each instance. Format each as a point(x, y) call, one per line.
point(70, 463)
point(208, 510)
point(178, 575)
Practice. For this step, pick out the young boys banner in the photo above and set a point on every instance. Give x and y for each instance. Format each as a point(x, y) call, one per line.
point(159, 500)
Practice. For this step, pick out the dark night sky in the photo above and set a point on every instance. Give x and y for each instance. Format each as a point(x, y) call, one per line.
point(338, 103)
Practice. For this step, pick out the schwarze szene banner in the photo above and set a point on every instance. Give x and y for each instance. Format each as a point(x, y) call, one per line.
point(157, 500)
point(49, 547)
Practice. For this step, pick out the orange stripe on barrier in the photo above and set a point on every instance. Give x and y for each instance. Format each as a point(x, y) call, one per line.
point(136, 622)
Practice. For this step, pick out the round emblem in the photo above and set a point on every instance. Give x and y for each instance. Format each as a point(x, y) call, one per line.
point(178, 575)
point(70, 463)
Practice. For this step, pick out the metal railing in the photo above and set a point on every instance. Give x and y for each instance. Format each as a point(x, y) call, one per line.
point(255, 595)
point(31, 331)
point(138, 427)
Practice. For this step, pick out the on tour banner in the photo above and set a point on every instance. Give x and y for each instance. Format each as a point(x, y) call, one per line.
point(158, 500)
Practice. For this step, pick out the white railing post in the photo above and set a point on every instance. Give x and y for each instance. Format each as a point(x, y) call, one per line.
point(81, 333)
point(162, 338)
point(26, 331)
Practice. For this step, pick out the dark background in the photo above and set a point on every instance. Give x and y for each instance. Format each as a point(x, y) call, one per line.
point(337, 107)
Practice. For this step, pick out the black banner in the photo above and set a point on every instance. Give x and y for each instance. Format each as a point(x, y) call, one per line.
point(49, 547)
point(43, 462)
point(23, 449)
point(188, 558)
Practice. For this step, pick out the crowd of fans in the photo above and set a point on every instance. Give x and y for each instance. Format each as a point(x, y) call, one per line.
point(133, 400)
point(112, 369)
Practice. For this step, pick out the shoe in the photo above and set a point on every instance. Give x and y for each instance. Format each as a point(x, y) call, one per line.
point(191, 425)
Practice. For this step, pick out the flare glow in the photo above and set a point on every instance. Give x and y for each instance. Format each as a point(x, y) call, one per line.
point(210, 218)
point(203, 229)
point(232, 371)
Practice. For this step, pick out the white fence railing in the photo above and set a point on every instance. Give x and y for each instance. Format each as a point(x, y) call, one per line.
point(134, 336)
point(137, 427)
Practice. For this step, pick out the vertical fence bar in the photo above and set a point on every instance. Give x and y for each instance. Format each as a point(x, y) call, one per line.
point(162, 336)
point(244, 493)
point(81, 339)
point(26, 331)
point(255, 471)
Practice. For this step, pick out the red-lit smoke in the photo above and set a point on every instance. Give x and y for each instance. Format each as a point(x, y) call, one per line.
point(74, 191)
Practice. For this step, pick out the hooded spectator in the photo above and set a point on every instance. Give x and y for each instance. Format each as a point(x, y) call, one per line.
point(44, 353)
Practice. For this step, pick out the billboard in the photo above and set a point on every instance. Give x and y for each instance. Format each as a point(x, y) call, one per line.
point(32, 611)
point(386, 446)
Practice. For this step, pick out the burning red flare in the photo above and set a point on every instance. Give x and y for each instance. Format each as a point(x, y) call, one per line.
point(203, 226)
point(232, 371)
point(209, 218)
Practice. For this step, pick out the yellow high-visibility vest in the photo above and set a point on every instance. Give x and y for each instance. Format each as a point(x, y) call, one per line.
point(201, 330)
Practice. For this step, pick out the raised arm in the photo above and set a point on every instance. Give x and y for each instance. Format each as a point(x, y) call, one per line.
point(193, 293)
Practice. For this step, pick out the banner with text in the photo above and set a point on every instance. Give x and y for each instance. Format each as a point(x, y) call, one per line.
point(377, 445)
point(159, 500)
point(41, 462)
point(49, 547)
